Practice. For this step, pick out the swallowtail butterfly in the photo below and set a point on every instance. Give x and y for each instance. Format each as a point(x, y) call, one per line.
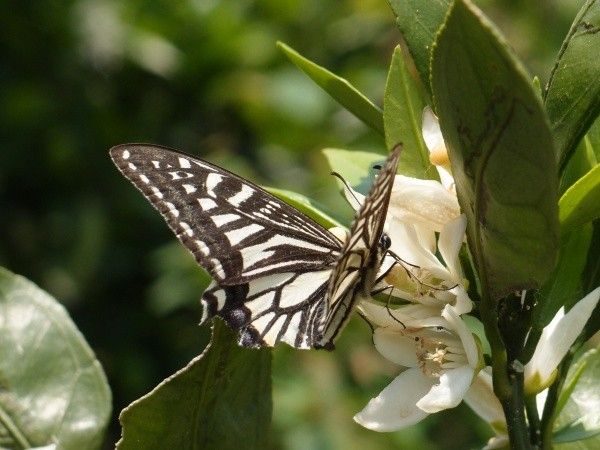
point(277, 274)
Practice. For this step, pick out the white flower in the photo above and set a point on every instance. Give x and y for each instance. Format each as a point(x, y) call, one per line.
point(438, 154)
point(483, 401)
point(442, 359)
point(424, 277)
point(422, 202)
point(556, 339)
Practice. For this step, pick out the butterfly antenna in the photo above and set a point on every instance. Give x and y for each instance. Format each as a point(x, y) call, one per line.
point(389, 311)
point(346, 185)
point(363, 317)
point(402, 263)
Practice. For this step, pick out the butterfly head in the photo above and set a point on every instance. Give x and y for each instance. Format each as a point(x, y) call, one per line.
point(384, 242)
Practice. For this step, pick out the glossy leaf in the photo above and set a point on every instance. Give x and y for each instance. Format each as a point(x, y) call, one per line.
point(339, 88)
point(52, 387)
point(419, 22)
point(573, 93)
point(402, 117)
point(501, 151)
point(304, 204)
point(220, 400)
point(579, 422)
point(580, 204)
point(353, 166)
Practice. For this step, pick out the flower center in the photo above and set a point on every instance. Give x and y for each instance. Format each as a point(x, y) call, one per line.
point(435, 355)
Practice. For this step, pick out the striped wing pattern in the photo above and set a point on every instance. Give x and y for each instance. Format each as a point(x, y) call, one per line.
point(354, 275)
point(272, 266)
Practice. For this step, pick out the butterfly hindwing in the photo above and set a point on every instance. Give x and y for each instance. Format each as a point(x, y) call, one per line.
point(286, 307)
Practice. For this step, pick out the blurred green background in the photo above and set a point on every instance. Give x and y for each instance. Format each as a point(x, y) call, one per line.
point(203, 76)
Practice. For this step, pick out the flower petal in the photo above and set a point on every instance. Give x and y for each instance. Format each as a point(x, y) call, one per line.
point(394, 408)
point(460, 327)
point(422, 202)
point(395, 347)
point(497, 442)
point(452, 386)
point(556, 339)
point(432, 134)
point(462, 303)
point(449, 244)
point(481, 398)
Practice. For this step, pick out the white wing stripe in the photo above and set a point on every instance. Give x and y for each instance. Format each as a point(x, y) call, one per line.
point(251, 273)
point(271, 336)
point(223, 219)
point(189, 188)
point(212, 181)
point(259, 252)
point(244, 194)
point(184, 163)
point(238, 235)
point(294, 293)
point(260, 304)
point(207, 203)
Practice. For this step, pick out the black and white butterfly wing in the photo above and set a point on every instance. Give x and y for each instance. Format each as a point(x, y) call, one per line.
point(354, 275)
point(271, 264)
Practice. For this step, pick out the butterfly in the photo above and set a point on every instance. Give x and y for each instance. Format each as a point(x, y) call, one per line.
point(278, 276)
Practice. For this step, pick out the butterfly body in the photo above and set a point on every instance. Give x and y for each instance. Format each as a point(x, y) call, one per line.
point(277, 275)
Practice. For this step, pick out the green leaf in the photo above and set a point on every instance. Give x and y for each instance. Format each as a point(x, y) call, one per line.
point(564, 286)
point(52, 387)
point(402, 119)
point(593, 140)
point(579, 420)
point(221, 400)
point(573, 93)
point(178, 279)
point(353, 166)
point(580, 204)
point(304, 204)
point(419, 22)
point(580, 163)
point(501, 151)
point(339, 88)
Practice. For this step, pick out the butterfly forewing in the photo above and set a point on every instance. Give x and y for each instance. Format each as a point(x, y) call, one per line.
point(235, 229)
point(354, 275)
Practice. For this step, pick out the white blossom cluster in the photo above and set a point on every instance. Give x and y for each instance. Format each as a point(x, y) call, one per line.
point(441, 360)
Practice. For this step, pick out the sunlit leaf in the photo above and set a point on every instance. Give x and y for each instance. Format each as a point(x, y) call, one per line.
point(52, 387)
point(580, 204)
point(580, 163)
point(304, 204)
point(579, 421)
point(501, 151)
point(573, 94)
point(402, 117)
point(220, 400)
point(353, 166)
point(419, 22)
point(339, 88)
